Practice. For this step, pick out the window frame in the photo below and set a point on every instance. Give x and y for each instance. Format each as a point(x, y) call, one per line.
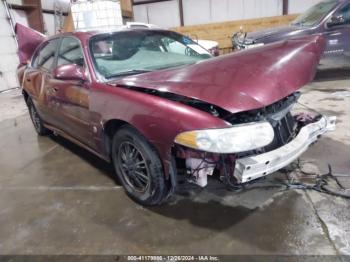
point(337, 12)
point(40, 48)
point(81, 47)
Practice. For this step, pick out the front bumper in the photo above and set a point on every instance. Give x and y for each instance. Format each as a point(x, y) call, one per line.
point(250, 168)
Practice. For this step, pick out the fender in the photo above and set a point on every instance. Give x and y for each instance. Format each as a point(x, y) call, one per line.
point(146, 112)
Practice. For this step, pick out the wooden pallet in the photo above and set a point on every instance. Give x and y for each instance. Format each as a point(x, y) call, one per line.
point(222, 32)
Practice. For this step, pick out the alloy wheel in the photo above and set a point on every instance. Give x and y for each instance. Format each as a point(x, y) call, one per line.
point(35, 118)
point(133, 167)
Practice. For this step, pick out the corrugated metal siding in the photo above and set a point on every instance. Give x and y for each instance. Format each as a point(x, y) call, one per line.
point(8, 53)
point(211, 11)
point(164, 14)
point(197, 12)
point(300, 6)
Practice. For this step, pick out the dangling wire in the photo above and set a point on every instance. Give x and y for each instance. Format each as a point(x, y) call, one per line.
point(321, 183)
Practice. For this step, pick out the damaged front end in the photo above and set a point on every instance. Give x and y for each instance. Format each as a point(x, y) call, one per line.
point(258, 143)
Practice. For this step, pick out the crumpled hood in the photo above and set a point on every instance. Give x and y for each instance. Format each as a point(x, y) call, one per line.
point(241, 81)
point(275, 33)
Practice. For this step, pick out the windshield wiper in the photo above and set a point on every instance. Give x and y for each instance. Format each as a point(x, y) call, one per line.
point(129, 72)
point(177, 65)
point(301, 23)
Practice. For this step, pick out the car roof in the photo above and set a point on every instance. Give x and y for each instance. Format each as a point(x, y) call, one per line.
point(87, 34)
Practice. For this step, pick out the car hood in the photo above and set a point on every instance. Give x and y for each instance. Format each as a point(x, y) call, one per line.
point(275, 33)
point(242, 81)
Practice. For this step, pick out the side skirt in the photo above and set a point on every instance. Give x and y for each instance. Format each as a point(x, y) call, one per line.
point(77, 142)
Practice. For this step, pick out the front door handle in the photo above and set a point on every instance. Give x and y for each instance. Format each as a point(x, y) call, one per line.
point(54, 90)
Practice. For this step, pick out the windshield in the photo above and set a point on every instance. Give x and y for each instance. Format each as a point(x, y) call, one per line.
point(315, 13)
point(138, 51)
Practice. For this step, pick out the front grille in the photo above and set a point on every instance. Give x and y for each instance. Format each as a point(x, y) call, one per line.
point(280, 117)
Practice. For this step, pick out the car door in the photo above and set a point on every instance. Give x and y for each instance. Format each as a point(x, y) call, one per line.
point(35, 78)
point(337, 35)
point(70, 98)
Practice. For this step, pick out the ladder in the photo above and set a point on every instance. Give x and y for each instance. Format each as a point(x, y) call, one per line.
point(58, 17)
point(8, 49)
point(10, 19)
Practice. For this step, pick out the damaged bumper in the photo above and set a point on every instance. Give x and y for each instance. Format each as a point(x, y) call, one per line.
point(253, 167)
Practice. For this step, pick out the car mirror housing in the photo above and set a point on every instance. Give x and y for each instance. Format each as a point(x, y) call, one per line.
point(70, 72)
point(336, 21)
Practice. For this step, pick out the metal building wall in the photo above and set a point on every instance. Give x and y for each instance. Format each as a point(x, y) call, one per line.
point(211, 11)
point(165, 14)
point(8, 53)
point(299, 6)
point(20, 15)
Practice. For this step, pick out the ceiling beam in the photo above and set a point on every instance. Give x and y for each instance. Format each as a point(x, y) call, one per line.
point(285, 7)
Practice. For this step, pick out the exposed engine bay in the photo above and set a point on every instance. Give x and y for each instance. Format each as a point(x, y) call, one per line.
point(293, 133)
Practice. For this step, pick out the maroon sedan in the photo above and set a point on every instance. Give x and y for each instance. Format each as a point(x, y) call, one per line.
point(153, 102)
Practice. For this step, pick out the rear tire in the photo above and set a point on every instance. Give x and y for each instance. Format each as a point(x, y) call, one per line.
point(36, 119)
point(138, 167)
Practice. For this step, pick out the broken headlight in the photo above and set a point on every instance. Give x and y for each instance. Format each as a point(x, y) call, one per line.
point(234, 139)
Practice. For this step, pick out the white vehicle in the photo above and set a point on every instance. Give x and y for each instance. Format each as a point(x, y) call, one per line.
point(140, 25)
point(211, 46)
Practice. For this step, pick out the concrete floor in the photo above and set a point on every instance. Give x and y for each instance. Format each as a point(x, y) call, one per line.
point(56, 198)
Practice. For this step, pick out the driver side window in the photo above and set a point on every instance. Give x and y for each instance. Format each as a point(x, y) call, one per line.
point(173, 46)
point(70, 52)
point(45, 57)
point(345, 13)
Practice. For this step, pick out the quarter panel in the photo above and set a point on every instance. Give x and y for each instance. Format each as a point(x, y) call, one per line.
point(158, 119)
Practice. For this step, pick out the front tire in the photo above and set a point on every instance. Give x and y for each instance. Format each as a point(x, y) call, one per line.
point(36, 119)
point(138, 167)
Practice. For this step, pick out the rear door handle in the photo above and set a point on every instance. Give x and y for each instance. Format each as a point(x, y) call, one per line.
point(52, 90)
point(28, 79)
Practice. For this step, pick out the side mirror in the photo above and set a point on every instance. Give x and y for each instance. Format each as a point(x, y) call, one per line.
point(335, 21)
point(70, 72)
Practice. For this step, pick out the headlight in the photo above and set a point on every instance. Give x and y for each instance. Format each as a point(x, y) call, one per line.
point(234, 139)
